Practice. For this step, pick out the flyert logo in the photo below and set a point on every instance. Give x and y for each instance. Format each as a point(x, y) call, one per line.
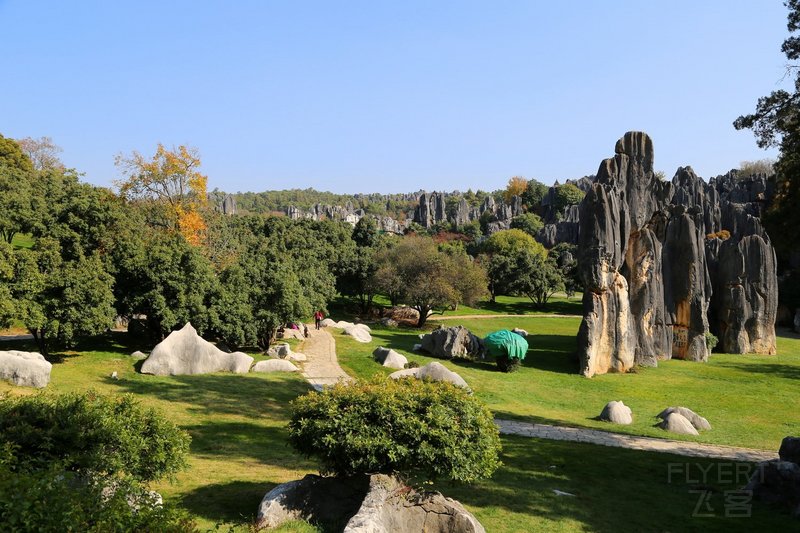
point(737, 503)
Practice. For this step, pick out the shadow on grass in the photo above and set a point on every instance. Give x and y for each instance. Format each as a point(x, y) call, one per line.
point(555, 307)
point(767, 369)
point(233, 501)
point(655, 489)
point(213, 394)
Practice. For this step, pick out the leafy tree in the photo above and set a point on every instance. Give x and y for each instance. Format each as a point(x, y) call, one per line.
point(42, 152)
point(516, 187)
point(407, 427)
point(499, 253)
point(15, 202)
point(172, 178)
point(12, 156)
point(365, 232)
point(776, 122)
point(7, 262)
point(565, 255)
point(535, 191)
point(567, 195)
point(536, 277)
point(530, 223)
point(417, 273)
point(61, 300)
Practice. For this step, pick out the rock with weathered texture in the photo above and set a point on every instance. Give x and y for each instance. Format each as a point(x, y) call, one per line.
point(677, 423)
point(364, 504)
point(274, 365)
point(699, 423)
point(389, 358)
point(359, 332)
point(25, 369)
point(617, 413)
point(790, 450)
point(185, 352)
point(432, 372)
point(453, 342)
point(327, 323)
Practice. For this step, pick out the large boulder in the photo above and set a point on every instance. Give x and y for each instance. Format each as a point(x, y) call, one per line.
point(453, 342)
point(389, 358)
point(777, 482)
point(364, 504)
point(790, 450)
point(699, 423)
point(327, 323)
point(274, 365)
point(432, 372)
point(25, 369)
point(185, 352)
point(617, 413)
point(677, 423)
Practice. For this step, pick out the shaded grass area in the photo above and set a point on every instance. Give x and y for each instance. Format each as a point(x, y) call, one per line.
point(750, 400)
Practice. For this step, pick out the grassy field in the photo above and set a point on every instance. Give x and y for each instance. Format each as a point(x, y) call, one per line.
point(21, 240)
point(239, 449)
point(750, 400)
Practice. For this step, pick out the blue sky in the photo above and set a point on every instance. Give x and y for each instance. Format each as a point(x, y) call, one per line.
point(377, 96)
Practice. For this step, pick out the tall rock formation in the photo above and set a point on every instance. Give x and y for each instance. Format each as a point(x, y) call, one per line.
point(652, 254)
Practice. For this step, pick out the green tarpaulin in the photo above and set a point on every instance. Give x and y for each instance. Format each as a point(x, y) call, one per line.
point(508, 343)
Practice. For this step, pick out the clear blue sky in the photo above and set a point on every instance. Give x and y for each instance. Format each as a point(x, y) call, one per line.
point(389, 96)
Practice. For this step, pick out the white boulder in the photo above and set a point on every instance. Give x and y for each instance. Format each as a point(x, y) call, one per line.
point(432, 371)
point(327, 323)
point(699, 423)
point(520, 331)
point(359, 332)
point(25, 369)
point(617, 413)
point(677, 423)
point(389, 358)
point(185, 352)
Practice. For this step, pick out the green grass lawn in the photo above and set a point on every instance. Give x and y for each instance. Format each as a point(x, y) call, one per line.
point(239, 449)
point(750, 400)
point(22, 240)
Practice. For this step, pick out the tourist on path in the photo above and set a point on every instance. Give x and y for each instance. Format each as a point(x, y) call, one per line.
point(318, 316)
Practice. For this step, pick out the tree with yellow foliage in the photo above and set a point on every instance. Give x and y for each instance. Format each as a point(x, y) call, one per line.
point(172, 178)
point(516, 186)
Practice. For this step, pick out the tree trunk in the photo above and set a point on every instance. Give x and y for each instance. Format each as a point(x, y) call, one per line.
point(423, 315)
point(38, 336)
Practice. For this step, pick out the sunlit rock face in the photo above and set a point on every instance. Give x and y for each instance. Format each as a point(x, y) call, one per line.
point(660, 273)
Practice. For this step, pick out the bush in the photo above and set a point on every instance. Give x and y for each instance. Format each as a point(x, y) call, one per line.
point(508, 364)
point(407, 427)
point(711, 341)
point(90, 434)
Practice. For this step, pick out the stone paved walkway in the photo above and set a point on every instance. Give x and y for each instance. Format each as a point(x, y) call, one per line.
point(604, 438)
point(321, 369)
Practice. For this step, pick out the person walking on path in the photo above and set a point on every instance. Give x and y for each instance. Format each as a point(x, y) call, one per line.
point(318, 316)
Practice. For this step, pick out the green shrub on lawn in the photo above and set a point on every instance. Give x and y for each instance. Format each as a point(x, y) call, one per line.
point(91, 434)
point(407, 427)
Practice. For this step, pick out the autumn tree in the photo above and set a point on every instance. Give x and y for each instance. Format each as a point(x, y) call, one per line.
point(516, 187)
point(171, 178)
point(42, 152)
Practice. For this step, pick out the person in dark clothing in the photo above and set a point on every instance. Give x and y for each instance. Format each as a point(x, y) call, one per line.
point(318, 316)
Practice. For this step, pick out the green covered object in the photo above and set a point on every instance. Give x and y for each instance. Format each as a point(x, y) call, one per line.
point(506, 343)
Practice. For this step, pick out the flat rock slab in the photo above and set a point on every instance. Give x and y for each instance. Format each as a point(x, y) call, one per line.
point(364, 504)
point(185, 352)
point(25, 369)
point(274, 365)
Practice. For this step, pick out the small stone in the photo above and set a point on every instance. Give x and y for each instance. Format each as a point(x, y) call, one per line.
point(114, 375)
point(520, 331)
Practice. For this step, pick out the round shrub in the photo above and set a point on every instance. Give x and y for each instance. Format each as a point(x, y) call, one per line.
point(91, 434)
point(508, 364)
point(407, 427)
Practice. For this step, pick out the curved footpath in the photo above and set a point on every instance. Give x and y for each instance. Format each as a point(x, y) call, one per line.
point(322, 369)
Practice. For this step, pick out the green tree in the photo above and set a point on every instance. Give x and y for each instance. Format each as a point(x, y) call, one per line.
point(776, 122)
point(499, 255)
point(565, 196)
point(7, 262)
point(565, 255)
point(530, 223)
point(536, 277)
point(365, 232)
point(534, 192)
point(11, 155)
point(417, 273)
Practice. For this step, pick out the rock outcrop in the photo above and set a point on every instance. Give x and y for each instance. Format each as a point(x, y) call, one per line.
point(659, 271)
point(185, 352)
point(617, 413)
point(364, 504)
point(677, 423)
point(697, 421)
point(777, 482)
point(25, 369)
point(453, 342)
point(432, 372)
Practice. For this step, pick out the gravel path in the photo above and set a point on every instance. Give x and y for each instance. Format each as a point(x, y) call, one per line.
point(650, 444)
